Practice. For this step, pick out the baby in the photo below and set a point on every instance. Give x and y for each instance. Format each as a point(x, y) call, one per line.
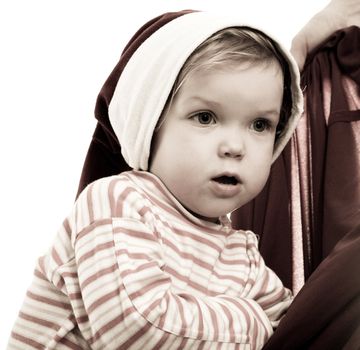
point(147, 259)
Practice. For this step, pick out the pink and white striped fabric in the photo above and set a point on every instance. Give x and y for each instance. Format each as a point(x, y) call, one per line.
point(131, 268)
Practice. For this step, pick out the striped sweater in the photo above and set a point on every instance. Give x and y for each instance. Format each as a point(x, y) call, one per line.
point(131, 268)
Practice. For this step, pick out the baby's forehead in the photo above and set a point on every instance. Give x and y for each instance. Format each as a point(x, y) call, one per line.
point(229, 90)
point(239, 66)
point(202, 75)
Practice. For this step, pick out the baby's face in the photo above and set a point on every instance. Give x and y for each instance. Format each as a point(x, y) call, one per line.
point(214, 149)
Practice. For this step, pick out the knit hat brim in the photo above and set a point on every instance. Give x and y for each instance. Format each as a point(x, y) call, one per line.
point(148, 78)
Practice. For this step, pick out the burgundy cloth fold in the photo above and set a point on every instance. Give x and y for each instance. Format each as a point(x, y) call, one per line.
point(104, 156)
point(268, 216)
point(326, 312)
point(332, 82)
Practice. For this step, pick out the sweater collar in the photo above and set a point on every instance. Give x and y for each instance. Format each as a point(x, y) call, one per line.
point(156, 189)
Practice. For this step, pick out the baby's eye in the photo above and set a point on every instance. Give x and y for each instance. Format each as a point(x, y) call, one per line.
point(205, 118)
point(260, 125)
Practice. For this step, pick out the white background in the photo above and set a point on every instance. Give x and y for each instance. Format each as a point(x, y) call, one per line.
point(54, 58)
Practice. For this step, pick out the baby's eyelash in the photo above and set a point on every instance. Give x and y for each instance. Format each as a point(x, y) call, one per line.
point(204, 118)
point(262, 124)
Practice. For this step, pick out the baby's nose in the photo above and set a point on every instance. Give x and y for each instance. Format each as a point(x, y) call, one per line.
point(232, 148)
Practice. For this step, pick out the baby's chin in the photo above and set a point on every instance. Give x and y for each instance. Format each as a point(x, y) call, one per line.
point(211, 216)
point(212, 210)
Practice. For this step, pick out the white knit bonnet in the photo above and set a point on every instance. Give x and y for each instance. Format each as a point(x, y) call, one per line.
point(147, 80)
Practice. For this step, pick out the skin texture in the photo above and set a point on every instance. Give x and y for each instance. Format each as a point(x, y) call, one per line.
point(221, 121)
point(336, 15)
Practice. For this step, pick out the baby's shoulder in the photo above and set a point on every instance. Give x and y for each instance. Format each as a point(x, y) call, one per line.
point(252, 238)
point(112, 196)
point(100, 202)
point(247, 238)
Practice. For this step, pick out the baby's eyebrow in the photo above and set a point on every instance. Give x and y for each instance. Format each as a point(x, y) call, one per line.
point(204, 100)
point(269, 112)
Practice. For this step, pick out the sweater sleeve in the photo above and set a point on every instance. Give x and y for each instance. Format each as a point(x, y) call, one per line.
point(267, 288)
point(104, 285)
point(130, 301)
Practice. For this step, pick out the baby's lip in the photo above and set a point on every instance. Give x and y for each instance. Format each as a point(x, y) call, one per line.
point(227, 178)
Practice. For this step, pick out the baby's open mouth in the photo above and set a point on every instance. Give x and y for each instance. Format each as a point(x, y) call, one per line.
point(226, 180)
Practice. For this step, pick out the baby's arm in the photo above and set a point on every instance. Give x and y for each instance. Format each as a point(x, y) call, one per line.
point(130, 301)
point(268, 290)
point(104, 285)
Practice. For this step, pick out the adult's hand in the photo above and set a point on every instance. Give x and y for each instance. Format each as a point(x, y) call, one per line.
point(336, 15)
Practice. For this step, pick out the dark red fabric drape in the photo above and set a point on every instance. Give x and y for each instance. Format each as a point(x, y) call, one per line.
point(326, 312)
point(268, 216)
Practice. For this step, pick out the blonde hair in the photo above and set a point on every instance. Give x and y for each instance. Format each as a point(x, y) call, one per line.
point(231, 47)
